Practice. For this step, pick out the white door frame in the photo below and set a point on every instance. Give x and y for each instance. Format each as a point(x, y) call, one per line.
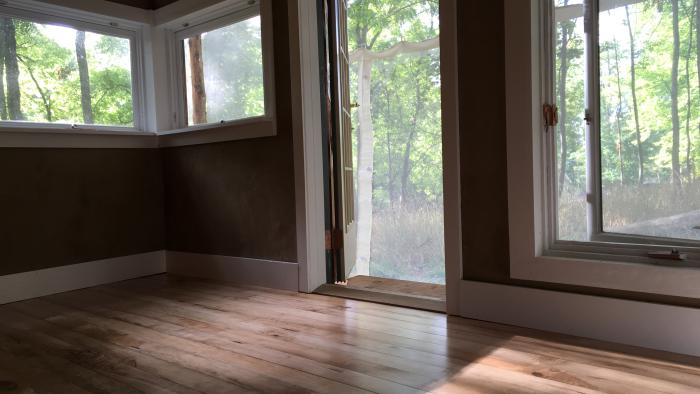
point(308, 143)
point(308, 160)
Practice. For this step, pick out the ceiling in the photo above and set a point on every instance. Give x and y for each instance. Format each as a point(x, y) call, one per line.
point(145, 4)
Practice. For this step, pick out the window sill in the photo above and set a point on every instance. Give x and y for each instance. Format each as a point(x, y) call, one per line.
point(64, 136)
point(229, 131)
point(609, 272)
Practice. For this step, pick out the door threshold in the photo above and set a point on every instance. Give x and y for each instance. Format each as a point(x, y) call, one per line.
point(379, 297)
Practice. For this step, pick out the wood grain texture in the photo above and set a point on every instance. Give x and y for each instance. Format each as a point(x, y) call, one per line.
point(395, 286)
point(166, 334)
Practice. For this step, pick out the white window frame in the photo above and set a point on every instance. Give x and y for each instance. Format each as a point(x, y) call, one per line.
point(45, 13)
point(224, 14)
point(612, 261)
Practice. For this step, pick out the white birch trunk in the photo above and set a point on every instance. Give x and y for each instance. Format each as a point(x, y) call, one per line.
point(365, 167)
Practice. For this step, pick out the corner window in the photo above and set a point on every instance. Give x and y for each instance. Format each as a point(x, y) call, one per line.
point(623, 157)
point(224, 73)
point(57, 72)
point(222, 68)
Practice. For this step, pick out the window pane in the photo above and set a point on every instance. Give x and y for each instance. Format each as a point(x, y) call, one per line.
point(649, 119)
point(58, 74)
point(570, 175)
point(224, 73)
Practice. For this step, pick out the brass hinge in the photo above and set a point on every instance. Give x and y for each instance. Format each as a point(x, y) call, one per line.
point(551, 115)
point(334, 239)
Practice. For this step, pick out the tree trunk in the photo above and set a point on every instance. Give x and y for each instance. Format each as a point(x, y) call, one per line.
point(14, 97)
point(406, 171)
point(45, 96)
point(675, 154)
point(635, 106)
point(365, 166)
point(84, 72)
point(199, 94)
point(561, 87)
point(697, 46)
point(3, 105)
point(618, 113)
point(689, 166)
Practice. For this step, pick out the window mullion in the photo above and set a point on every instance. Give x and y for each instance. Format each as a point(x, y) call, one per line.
point(592, 98)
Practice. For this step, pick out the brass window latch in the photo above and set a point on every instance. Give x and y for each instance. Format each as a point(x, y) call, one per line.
point(551, 115)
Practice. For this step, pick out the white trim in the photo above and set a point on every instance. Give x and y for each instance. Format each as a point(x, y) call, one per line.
point(26, 285)
point(151, 35)
point(191, 11)
point(527, 189)
point(308, 158)
point(39, 12)
point(244, 129)
point(206, 19)
point(105, 13)
point(450, 152)
point(118, 11)
point(655, 326)
point(266, 273)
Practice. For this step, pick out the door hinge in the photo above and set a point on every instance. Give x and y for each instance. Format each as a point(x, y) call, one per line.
point(587, 117)
point(334, 239)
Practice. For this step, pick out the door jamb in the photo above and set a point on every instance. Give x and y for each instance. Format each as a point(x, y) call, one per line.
point(308, 160)
point(307, 125)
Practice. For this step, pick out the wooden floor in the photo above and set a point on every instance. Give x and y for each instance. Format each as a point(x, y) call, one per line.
point(165, 334)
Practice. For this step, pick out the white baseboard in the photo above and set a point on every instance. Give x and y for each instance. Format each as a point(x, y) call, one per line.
point(654, 326)
point(26, 285)
point(266, 273)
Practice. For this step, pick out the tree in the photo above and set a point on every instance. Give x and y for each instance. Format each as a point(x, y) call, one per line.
point(697, 46)
point(675, 154)
point(618, 112)
point(14, 99)
point(85, 95)
point(566, 31)
point(689, 167)
point(199, 94)
point(635, 105)
point(3, 105)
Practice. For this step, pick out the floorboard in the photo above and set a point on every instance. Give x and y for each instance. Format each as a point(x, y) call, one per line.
point(167, 334)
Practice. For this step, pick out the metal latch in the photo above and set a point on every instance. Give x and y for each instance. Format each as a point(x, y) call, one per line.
point(673, 254)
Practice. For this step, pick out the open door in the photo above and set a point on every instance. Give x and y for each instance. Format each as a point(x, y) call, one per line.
point(345, 227)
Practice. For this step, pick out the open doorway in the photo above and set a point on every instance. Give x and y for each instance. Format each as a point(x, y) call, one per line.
point(386, 147)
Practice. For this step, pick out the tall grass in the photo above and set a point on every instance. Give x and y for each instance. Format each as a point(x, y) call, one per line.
point(628, 205)
point(408, 243)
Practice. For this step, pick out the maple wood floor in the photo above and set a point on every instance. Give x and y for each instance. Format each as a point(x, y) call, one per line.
point(165, 334)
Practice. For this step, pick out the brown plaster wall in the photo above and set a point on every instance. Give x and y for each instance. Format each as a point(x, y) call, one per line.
point(67, 206)
point(237, 198)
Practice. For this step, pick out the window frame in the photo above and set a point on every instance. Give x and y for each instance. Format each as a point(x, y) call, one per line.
point(236, 11)
point(614, 261)
point(45, 13)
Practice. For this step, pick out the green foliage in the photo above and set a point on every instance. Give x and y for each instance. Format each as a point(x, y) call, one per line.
point(625, 201)
point(49, 80)
point(407, 232)
point(233, 71)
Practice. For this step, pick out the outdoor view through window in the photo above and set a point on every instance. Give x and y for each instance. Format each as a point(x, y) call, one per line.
point(395, 81)
point(57, 74)
point(224, 73)
point(649, 118)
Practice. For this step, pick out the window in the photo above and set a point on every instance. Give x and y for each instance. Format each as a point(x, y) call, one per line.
point(623, 158)
point(222, 68)
point(60, 72)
